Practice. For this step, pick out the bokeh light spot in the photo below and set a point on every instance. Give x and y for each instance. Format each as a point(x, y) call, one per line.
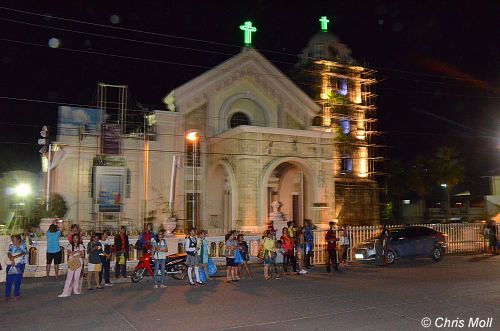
point(54, 43)
point(114, 19)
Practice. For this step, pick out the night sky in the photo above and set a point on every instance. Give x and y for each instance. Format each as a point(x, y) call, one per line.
point(438, 62)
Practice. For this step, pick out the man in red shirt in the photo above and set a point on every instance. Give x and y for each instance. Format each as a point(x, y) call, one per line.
point(331, 246)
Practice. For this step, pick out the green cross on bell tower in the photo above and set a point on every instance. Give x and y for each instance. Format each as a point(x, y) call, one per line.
point(324, 23)
point(248, 30)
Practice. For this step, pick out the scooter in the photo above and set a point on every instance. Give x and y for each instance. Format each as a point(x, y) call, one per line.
point(175, 266)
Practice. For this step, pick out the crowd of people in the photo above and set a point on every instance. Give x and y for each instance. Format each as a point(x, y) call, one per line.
point(291, 252)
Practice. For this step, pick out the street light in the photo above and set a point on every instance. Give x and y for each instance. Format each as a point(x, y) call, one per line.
point(445, 186)
point(22, 190)
point(193, 138)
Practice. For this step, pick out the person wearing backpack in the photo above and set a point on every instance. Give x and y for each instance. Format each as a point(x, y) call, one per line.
point(160, 249)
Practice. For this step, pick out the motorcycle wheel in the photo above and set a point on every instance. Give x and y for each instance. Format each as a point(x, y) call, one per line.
point(138, 275)
point(181, 270)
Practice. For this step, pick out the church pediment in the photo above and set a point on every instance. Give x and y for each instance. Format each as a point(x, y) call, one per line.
point(250, 66)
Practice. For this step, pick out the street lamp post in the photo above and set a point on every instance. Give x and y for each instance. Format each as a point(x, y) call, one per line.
point(193, 138)
point(447, 191)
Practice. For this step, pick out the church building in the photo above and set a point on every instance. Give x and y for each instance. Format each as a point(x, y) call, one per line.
point(239, 147)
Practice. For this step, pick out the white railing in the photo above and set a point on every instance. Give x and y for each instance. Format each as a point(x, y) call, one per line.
point(462, 238)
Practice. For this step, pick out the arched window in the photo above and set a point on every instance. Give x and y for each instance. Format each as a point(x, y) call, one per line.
point(238, 119)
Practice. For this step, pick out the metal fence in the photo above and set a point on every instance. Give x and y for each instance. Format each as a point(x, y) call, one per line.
point(462, 238)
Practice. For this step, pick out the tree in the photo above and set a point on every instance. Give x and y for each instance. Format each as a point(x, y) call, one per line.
point(447, 167)
point(448, 170)
point(57, 208)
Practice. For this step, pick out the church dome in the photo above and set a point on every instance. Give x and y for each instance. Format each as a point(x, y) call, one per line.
point(326, 46)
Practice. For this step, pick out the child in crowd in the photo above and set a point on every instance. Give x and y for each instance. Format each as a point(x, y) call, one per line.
point(204, 252)
point(243, 246)
point(280, 259)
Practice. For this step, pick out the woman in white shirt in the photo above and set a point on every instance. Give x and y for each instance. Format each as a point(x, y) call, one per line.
point(75, 252)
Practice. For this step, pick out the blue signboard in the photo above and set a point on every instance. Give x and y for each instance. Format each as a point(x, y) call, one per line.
point(74, 121)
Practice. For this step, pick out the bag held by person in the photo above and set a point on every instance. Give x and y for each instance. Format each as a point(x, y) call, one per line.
point(203, 277)
point(74, 264)
point(212, 268)
point(237, 257)
point(98, 267)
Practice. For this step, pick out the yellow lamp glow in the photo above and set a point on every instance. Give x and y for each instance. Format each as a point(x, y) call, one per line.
point(192, 136)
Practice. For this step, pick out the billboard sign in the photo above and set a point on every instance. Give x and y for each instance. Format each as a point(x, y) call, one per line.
point(109, 183)
point(73, 121)
point(111, 138)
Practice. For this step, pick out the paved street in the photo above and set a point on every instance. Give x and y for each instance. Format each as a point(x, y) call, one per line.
point(363, 297)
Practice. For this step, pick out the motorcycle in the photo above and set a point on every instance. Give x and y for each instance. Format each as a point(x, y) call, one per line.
point(175, 266)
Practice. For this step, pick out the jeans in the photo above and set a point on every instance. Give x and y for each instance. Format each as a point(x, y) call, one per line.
point(120, 267)
point(106, 266)
point(332, 260)
point(160, 263)
point(290, 261)
point(16, 279)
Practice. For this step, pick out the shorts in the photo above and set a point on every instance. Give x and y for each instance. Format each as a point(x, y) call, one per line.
point(56, 257)
point(94, 267)
point(230, 262)
point(191, 260)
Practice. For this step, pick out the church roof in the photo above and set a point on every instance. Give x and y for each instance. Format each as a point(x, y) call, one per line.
point(326, 46)
point(249, 62)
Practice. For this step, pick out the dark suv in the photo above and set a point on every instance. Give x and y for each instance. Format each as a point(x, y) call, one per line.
point(407, 242)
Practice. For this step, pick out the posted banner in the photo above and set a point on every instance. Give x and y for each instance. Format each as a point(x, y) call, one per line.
point(109, 188)
point(111, 139)
point(73, 121)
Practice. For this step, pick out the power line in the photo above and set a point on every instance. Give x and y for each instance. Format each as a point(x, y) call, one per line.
point(214, 43)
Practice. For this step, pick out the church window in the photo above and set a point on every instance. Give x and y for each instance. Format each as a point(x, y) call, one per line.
point(342, 85)
point(346, 166)
point(238, 119)
point(345, 125)
point(193, 155)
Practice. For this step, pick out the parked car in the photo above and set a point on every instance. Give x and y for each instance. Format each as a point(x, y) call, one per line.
point(407, 242)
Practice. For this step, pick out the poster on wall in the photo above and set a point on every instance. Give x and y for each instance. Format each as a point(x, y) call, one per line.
point(109, 185)
point(73, 121)
point(111, 138)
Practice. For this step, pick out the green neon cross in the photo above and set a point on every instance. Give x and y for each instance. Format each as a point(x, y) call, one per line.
point(324, 23)
point(248, 28)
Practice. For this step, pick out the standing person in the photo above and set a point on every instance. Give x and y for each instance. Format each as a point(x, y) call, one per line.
point(331, 246)
point(121, 252)
point(192, 257)
point(309, 236)
point(76, 251)
point(301, 248)
point(288, 245)
point(380, 244)
point(54, 252)
point(269, 247)
point(94, 249)
point(160, 249)
point(204, 252)
point(147, 238)
point(245, 254)
point(291, 230)
point(344, 245)
point(280, 259)
point(75, 229)
point(27, 239)
point(105, 259)
point(15, 269)
point(231, 246)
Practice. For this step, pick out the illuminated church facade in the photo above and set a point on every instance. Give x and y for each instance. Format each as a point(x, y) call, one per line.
point(240, 147)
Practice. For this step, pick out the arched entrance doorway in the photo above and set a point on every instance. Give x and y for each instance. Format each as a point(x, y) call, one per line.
point(220, 199)
point(289, 181)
